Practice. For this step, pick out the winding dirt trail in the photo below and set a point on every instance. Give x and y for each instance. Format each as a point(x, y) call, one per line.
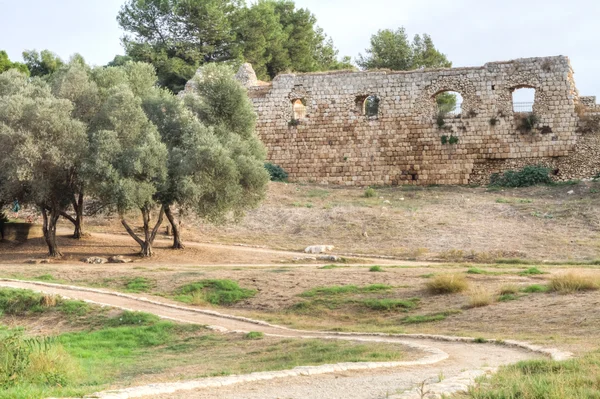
point(442, 356)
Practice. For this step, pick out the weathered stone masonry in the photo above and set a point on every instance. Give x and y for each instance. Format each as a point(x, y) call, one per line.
point(336, 143)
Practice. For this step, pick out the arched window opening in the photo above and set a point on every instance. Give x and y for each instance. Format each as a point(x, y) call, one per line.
point(523, 99)
point(368, 105)
point(449, 103)
point(299, 108)
point(371, 106)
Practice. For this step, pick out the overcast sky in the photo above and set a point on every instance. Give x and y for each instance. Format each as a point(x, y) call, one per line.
point(469, 32)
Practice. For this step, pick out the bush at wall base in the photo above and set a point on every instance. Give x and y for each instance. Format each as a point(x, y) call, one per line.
point(277, 173)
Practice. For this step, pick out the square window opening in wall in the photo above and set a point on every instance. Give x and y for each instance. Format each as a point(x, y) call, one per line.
point(299, 108)
point(523, 99)
point(368, 105)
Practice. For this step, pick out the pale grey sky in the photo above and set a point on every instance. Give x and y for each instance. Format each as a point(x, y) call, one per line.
point(469, 32)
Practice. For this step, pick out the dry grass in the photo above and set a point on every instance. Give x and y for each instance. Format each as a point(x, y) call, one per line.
point(461, 223)
point(447, 284)
point(480, 297)
point(48, 301)
point(570, 282)
point(509, 289)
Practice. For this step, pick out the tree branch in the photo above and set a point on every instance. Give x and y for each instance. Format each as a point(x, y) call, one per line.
point(132, 233)
point(158, 223)
point(68, 217)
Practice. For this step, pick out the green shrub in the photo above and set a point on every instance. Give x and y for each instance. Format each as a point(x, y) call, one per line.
point(528, 176)
point(453, 140)
point(370, 193)
point(444, 139)
point(254, 335)
point(38, 360)
point(216, 292)
point(527, 122)
point(277, 173)
point(376, 269)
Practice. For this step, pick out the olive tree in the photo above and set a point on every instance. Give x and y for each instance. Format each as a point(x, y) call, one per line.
point(73, 82)
point(40, 145)
point(128, 162)
point(216, 161)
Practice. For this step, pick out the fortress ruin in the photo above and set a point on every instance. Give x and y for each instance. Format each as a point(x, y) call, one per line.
point(385, 127)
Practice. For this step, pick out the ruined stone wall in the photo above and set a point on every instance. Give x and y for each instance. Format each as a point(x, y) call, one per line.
point(336, 143)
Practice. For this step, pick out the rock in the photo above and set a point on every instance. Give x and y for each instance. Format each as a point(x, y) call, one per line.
point(94, 260)
point(387, 202)
point(318, 249)
point(571, 192)
point(119, 259)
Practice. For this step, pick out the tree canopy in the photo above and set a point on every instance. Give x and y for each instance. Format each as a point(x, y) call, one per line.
point(178, 36)
point(43, 63)
point(391, 49)
point(6, 64)
point(41, 144)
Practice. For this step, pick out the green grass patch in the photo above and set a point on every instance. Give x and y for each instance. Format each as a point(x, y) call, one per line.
point(476, 270)
point(535, 288)
point(138, 284)
point(532, 271)
point(376, 269)
point(255, 335)
point(216, 292)
point(391, 304)
point(507, 297)
point(573, 379)
point(344, 289)
point(429, 318)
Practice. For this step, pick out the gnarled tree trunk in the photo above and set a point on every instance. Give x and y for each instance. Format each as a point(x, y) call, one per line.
point(78, 219)
point(51, 216)
point(177, 244)
point(149, 235)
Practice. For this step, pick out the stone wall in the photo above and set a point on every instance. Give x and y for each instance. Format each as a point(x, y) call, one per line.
point(335, 142)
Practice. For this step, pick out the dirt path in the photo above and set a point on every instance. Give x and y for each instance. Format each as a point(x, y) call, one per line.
point(369, 259)
point(453, 356)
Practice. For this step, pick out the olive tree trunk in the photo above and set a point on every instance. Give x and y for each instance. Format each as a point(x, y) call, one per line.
point(177, 244)
point(149, 234)
point(51, 216)
point(78, 219)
